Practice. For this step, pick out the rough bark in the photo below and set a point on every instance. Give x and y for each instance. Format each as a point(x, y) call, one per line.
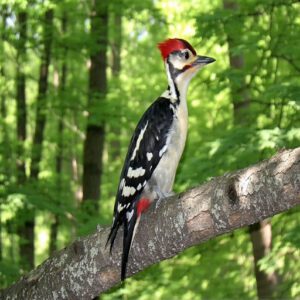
point(85, 268)
point(94, 141)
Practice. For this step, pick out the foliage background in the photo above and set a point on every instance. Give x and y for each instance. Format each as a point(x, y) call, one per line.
point(266, 35)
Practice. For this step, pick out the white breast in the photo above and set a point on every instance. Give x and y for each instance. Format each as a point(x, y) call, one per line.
point(165, 172)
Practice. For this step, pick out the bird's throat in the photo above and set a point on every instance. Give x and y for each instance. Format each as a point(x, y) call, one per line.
point(177, 86)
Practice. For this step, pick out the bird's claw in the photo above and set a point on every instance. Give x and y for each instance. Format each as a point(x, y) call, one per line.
point(162, 197)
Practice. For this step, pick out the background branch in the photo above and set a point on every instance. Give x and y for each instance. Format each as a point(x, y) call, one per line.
point(84, 269)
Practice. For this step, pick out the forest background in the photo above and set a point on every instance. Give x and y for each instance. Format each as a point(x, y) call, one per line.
point(75, 77)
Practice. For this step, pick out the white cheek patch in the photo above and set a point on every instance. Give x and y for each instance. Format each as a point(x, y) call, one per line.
point(178, 64)
point(135, 172)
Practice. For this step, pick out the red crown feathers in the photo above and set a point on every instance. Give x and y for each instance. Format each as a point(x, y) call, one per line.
point(171, 45)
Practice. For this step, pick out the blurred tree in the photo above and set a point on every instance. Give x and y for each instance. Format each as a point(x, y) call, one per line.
point(238, 88)
point(60, 85)
point(24, 223)
point(94, 141)
point(261, 233)
point(261, 238)
point(116, 46)
point(3, 113)
point(40, 122)
point(21, 95)
point(237, 116)
point(5, 140)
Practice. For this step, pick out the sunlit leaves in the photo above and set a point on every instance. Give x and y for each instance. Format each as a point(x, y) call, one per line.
point(267, 35)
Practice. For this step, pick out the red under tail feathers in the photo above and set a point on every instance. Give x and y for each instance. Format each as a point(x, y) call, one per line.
point(142, 205)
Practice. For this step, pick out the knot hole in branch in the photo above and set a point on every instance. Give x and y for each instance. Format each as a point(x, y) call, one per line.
point(231, 192)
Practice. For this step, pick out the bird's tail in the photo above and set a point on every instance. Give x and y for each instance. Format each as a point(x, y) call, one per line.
point(131, 221)
point(113, 233)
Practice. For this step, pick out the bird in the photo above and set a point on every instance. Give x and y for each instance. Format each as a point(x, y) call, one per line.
point(156, 145)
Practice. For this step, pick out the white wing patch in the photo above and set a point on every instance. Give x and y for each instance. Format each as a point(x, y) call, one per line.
point(122, 183)
point(163, 150)
point(135, 172)
point(128, 191)
point(129, 215)
point(149, 156)
point(165, 147)
point(139, 141)
point(139, 187)
point(120, 207)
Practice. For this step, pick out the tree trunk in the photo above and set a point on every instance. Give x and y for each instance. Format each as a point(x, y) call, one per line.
point(94, 141)
point(58, 167)
point(3, 112)
point(86, 268)
point(39, 132)
point(24, 229)
point(21, 97)
point(6, 168)
point(238, 89)
point(115, 145)
point(261, 238)
point(40, 120)
point(60, 86)
point(260, 233)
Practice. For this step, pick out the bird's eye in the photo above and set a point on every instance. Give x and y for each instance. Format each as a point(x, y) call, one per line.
point(186, 55)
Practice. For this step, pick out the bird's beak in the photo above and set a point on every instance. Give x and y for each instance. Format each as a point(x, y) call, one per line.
point(202, 60)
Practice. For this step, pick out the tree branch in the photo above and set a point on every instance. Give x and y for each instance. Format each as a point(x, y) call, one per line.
point(85, 269)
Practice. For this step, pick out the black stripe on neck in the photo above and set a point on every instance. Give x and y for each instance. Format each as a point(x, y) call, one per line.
point(174, 73)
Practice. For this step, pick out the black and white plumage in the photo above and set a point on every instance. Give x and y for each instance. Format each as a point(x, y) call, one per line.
point(156, 146)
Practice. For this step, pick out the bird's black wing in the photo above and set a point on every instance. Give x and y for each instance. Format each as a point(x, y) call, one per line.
point(147, 146)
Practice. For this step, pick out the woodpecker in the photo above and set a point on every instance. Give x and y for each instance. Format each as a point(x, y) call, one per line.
point(156, 145)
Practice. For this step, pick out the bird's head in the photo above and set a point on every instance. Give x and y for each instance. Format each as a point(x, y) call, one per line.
point(181, 60)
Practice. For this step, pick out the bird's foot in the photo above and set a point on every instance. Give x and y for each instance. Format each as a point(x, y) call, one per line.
point(163, 196)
